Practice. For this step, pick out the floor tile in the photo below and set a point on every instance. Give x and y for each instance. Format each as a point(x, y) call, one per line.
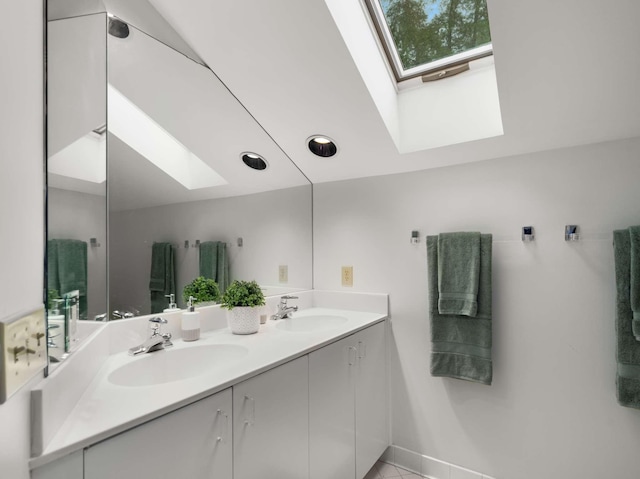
point(373, 474)
point(387, 470)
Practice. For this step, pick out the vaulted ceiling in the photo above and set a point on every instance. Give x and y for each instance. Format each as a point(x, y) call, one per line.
point(567, 74)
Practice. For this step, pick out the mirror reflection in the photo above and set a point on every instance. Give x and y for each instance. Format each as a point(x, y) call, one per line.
point(167, 139)
point(76, 176)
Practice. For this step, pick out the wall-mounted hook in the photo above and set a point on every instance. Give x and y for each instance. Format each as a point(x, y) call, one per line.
point(186, 244)
point(571, 233)
point(415, 237)
point(528, 234)
point(94, 242)
point(196, 244)
point(240, 242)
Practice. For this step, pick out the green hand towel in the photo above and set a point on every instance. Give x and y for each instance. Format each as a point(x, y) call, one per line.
point(458, 273)
point(162, 278)
point(209, 259)
point(627, 348)
point(634, 234)
point(222, 272)
point(214, 263)
point(461, 345)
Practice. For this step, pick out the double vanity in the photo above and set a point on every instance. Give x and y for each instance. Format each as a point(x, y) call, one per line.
point(305, 397)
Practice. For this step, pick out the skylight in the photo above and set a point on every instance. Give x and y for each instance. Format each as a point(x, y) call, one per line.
point(145, 136)
point(424, 36)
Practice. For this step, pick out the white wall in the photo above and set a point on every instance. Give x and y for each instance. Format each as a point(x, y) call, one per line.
point(275, 227)
point(21, 200)
point(81, 216)
point(551, 411)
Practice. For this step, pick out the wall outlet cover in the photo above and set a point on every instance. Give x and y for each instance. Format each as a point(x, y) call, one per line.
point(347, 276)
point(283, 273)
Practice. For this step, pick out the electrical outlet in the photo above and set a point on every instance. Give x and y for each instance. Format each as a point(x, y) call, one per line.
point(24, 351)
point(347, 276)
point(283, 273)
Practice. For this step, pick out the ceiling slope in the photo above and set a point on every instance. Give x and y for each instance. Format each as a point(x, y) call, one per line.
point(567, 74)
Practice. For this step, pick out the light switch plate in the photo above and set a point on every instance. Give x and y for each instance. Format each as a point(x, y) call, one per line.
point(24, 351)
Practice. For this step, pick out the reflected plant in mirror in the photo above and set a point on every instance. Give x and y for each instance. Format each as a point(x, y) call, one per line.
point(154, 150)
point(202, 290)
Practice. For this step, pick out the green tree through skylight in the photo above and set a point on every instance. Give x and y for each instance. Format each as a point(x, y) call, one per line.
point(428, 30)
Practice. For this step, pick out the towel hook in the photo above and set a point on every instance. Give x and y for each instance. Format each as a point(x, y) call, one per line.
point(528, 234)
point(571, 233)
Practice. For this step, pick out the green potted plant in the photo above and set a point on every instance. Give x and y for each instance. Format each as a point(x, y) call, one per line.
point(243, 300)
point(203, 290)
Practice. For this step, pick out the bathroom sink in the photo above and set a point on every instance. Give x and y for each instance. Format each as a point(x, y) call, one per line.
point(171, 365)
point(305, 324)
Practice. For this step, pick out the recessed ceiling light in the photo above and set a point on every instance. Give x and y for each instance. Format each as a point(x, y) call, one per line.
point(253, 160)
point(321, 145)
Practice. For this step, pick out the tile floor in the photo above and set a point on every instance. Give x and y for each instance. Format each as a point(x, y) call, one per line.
point(382, 470)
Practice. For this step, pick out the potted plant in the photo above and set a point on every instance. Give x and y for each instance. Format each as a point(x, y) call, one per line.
point(203, 290)
point(243, 300)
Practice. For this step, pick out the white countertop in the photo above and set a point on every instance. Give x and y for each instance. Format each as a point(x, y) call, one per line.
point(106, 409)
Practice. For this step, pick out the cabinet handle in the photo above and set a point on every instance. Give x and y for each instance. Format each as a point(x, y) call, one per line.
point(252, 420)
point(353, 350)
point(362, 350)
point(226, 426)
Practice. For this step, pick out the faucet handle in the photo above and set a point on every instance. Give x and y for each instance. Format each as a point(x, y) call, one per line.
point(155, 325)
point(283, 299)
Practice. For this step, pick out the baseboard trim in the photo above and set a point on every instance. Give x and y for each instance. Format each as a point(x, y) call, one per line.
point(427, 466)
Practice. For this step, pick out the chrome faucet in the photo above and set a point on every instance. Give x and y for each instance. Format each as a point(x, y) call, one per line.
point(284, 311)
point(157, 341)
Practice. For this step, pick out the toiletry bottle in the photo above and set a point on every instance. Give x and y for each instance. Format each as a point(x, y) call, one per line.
point(172, 303)
point(56, 320)
point(191, 322)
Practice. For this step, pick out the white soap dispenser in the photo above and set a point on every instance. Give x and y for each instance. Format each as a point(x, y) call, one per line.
point(172, 303)
point(191, 322)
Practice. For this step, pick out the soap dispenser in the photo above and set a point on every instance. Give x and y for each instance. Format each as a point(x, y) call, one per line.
point(191, 322)
point(172, 303)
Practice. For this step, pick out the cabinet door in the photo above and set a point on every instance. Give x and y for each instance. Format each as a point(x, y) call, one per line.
point(191, 443)
point(331, 410)
point(372, 437)
point(68, 467)
point(271, 424)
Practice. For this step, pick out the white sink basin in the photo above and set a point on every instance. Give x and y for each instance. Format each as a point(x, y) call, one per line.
point(306, 324)
point(171, 365)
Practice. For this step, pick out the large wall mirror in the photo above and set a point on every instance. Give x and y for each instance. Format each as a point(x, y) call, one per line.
point(152, 172)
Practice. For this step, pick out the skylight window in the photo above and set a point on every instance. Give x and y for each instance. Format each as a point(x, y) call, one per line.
point(135, 128)
point(425, 36)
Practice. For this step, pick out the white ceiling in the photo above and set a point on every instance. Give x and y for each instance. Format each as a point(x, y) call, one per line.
point(568, 73)
point(194, 107)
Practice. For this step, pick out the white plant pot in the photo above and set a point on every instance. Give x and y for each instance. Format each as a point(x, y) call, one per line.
point(244, 320)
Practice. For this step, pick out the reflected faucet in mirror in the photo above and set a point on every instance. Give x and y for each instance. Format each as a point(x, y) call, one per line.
point(156, 74)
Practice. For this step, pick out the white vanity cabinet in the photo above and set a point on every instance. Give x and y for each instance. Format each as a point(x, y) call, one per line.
point(348, 405)
point(194, 442)
point(271, 423)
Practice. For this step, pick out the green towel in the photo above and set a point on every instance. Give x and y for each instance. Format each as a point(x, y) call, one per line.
point(458, 273)
point(67, 269)
point(214, 263)
point(627, 348)
point(461, 345)
point(222, 273)
point(634, 234)
point(162, 280)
